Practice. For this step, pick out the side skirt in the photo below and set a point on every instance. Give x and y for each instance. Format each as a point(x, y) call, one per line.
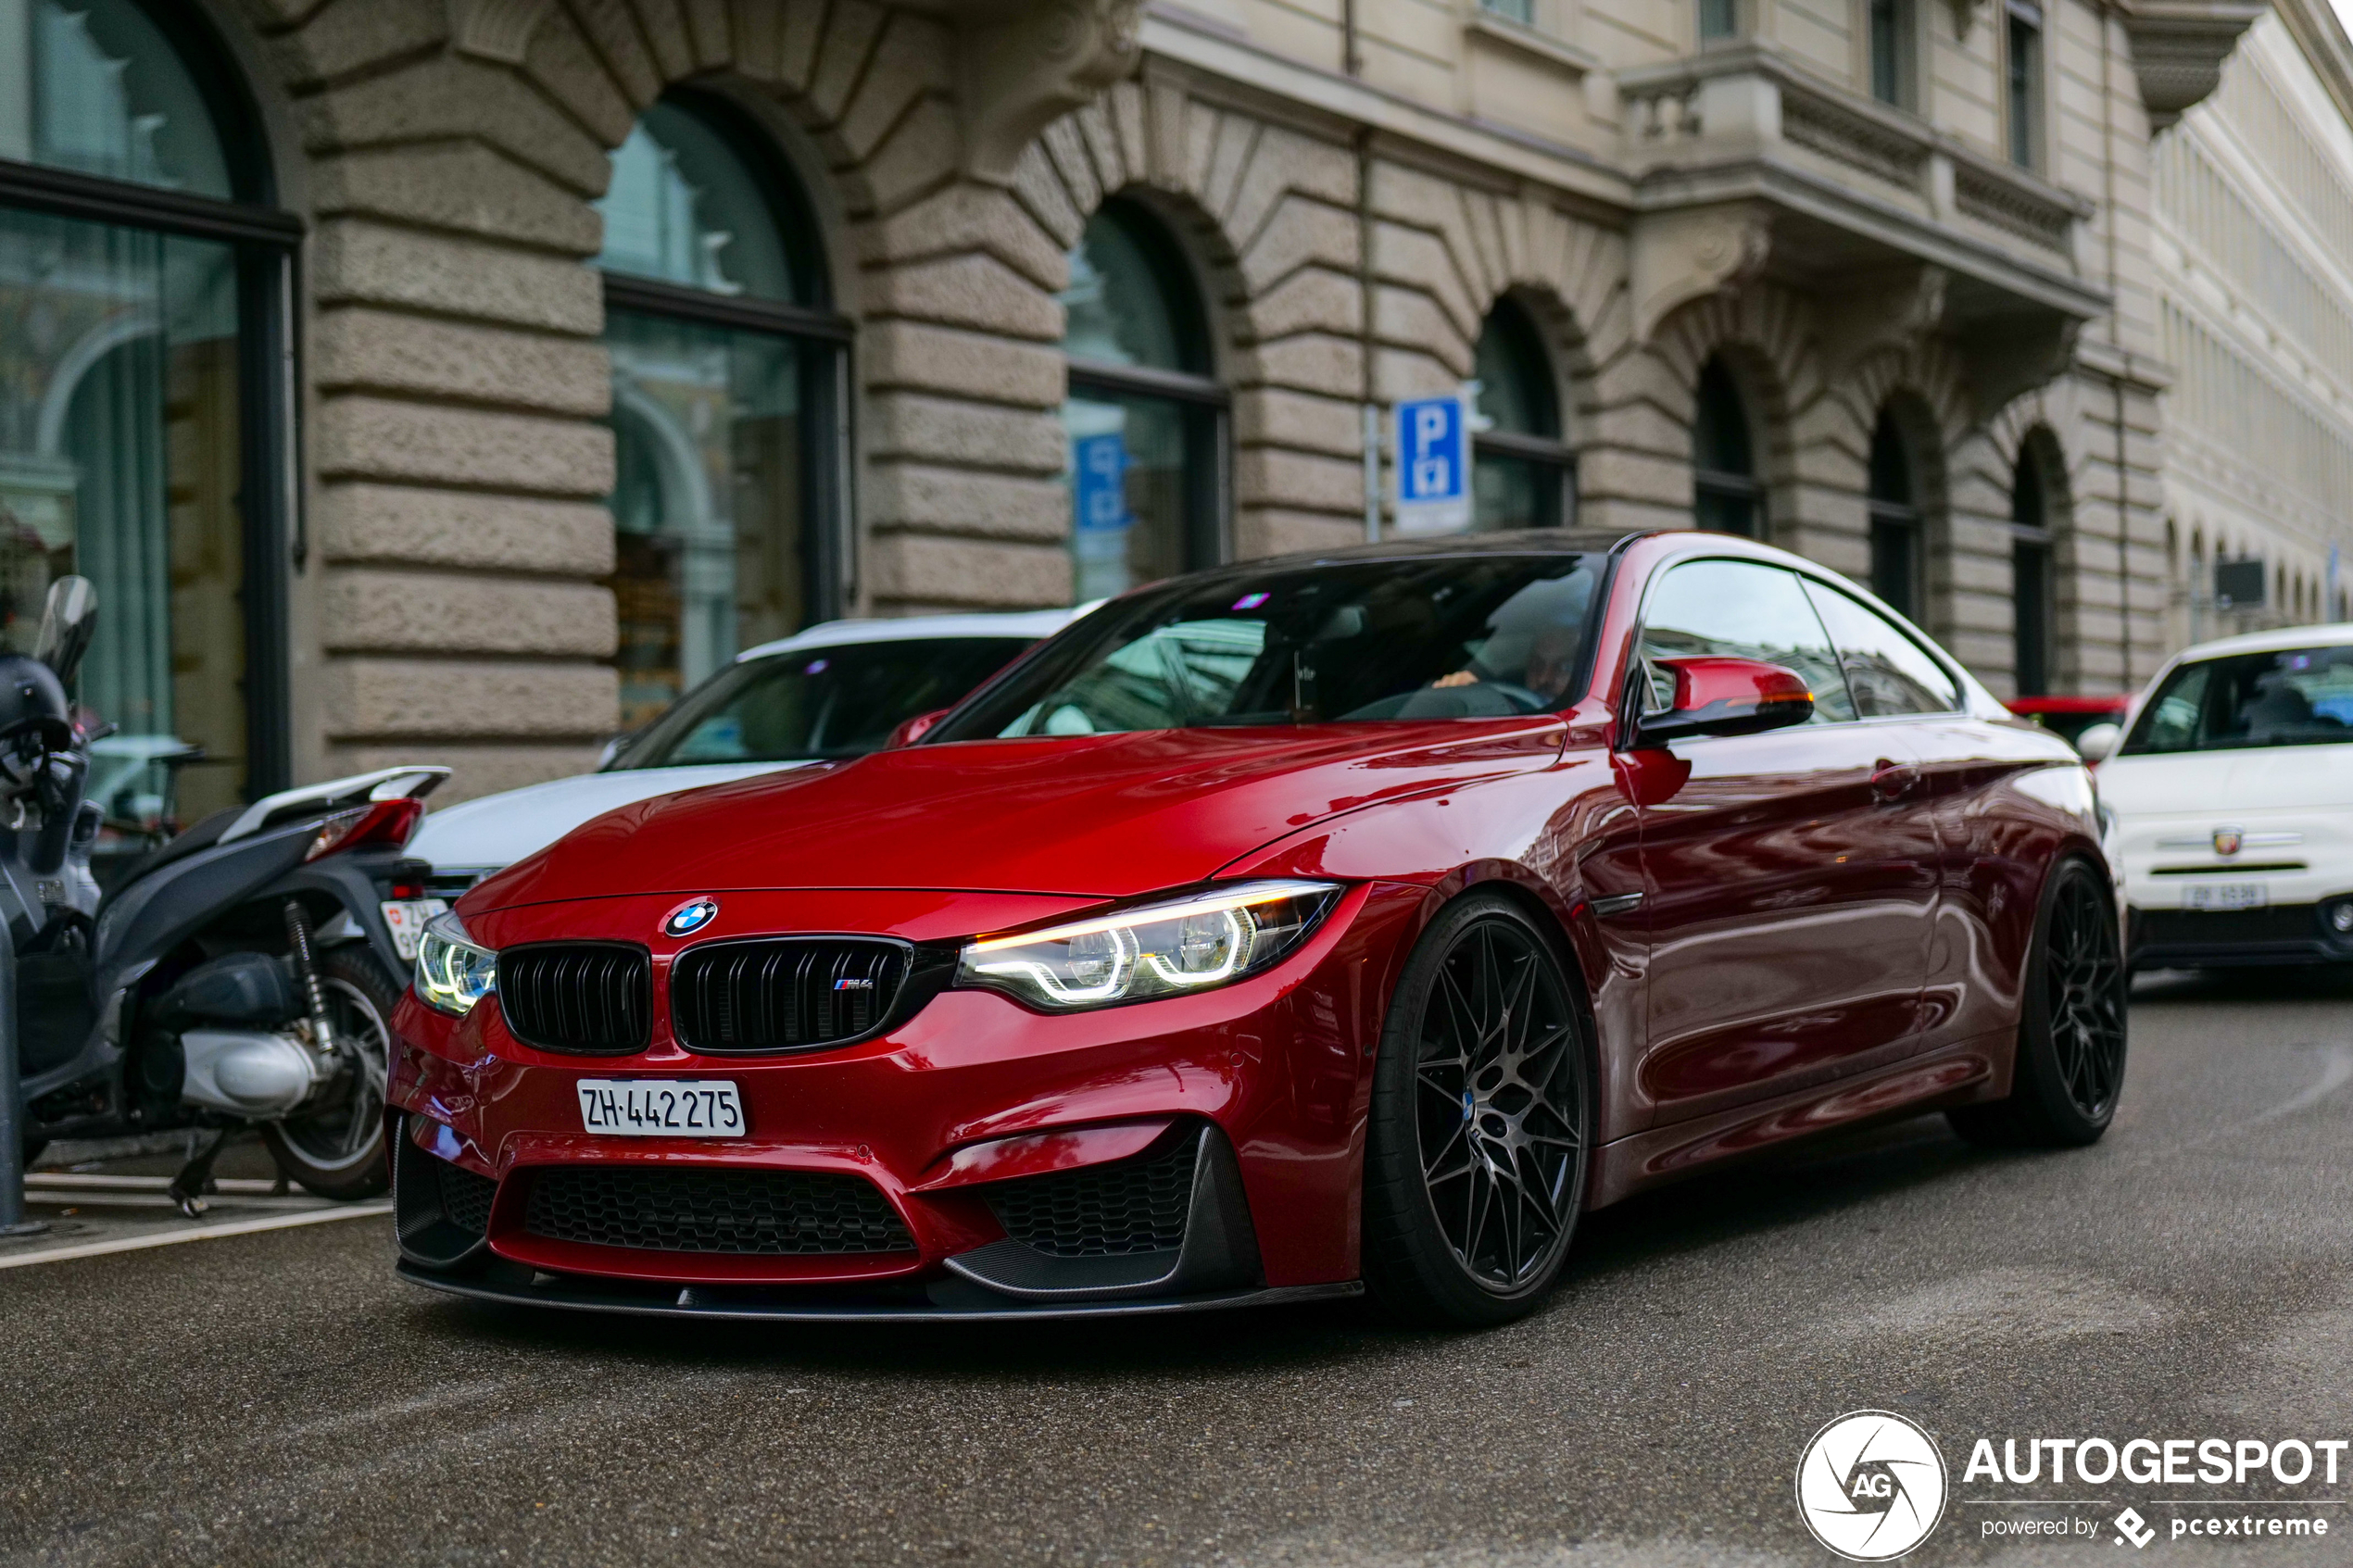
point(1960, 1073)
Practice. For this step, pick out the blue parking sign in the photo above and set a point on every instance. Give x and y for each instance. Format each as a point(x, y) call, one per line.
point(1101, 482)
point(1433, 465)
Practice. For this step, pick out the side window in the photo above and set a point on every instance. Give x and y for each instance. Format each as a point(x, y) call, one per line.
point(1740, 610)
point(1888, 672)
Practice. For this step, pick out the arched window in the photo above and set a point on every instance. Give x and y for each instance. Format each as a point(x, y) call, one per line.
point(1144, 418)
point(2035, 621)
point(1521, 474)
point(726, 400)
point(143, 391)
point(1729, 499)
point(1895, 519)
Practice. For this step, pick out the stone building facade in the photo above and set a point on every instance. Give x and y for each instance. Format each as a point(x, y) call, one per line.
point(2254, 278)
point(1870, 278)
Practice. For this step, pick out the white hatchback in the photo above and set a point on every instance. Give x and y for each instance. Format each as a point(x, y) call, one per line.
point(2232, 791)
point(829, 694)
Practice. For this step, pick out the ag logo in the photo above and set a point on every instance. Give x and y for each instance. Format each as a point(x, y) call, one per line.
point(2227, 841)
point(690, 917)
point(1871, 1485)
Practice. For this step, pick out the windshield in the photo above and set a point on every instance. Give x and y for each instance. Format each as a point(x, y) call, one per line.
point(817, 704)
point(1429, 637)
point(2299, 697)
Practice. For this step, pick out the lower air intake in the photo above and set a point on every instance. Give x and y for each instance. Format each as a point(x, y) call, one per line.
point(1133, 1205)
point(439, 1211)
point(735, 1214)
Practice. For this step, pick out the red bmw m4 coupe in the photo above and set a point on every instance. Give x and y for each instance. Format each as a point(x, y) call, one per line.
point(1298, 928)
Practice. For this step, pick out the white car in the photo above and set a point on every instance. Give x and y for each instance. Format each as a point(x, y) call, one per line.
point(831, 693)
point(2232, 791)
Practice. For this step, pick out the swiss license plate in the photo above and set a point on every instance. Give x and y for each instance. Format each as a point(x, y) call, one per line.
point(662, 1108)
point(2226, 895)
point(406, 918)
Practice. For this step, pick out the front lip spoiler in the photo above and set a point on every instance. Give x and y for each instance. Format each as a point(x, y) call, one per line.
point(947, 1301)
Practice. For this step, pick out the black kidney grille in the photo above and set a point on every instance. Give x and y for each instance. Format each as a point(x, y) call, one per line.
point(465, 1198)
point(784, 995)
point(743, 1214)
point(1133, 1205)
point(590, 996)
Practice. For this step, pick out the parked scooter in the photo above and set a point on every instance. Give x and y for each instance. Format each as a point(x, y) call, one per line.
point(243, 974)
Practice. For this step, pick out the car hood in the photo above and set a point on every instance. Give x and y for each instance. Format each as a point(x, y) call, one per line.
point(2202, 783)
point(1093, 816)
point(498, 830)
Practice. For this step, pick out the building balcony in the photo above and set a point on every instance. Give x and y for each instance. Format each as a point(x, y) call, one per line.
point(1744, 164)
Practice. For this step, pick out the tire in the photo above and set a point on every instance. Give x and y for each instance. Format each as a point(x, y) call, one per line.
point(336, 1149)
point(1482, 1124)
point(2071, 1026)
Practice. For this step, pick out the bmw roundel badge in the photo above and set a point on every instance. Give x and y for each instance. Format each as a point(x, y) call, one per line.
point(690, 917)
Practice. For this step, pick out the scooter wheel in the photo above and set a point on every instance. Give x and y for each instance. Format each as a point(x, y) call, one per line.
point(337, 1149)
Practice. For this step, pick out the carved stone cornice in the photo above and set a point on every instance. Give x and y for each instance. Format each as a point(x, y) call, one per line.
point(1689, 253)
point(1023, 64)
point(2179, 47)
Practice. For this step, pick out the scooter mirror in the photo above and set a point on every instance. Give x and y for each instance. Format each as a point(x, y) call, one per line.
point(68, 620)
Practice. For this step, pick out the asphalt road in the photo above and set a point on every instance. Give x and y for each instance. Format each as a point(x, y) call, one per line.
point(281, 1399)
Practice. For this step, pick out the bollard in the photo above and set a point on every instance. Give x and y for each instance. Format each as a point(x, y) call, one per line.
point(12, 1219)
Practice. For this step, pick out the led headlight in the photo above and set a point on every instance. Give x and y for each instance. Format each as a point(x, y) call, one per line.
point(453, 974)
point(1191, 943)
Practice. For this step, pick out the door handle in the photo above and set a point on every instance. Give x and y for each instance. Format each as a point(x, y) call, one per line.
point(1891, 780)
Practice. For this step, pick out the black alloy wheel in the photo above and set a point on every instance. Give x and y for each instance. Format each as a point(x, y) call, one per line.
point(2071, 1027)
point(1483, 1122)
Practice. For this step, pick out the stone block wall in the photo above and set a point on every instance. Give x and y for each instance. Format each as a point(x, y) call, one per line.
point(455, 392)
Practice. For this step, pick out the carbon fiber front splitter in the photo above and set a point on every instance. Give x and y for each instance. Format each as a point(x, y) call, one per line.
point(949, 1300)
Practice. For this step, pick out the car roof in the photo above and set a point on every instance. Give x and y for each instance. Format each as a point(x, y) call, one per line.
point(2339, 635)
point(1026, 626)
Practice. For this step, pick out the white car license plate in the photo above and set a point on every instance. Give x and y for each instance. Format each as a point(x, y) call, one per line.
point(2226, 895)
point(662, 1108)
point(406, 918)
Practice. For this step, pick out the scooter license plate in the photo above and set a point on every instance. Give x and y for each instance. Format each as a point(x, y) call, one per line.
point(662, 1108)
point(406, 919)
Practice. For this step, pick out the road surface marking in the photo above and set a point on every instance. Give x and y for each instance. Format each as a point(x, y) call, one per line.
point(199, 1233)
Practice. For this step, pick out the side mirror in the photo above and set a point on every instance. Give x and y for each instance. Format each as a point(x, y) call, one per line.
point(68, 620)
point(2100, 743)
point(1725, 696)
point(910, 731)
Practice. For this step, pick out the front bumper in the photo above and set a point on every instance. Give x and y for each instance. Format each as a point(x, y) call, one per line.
point(939, 1301)
point(1258, 1090)
point(2280, 934)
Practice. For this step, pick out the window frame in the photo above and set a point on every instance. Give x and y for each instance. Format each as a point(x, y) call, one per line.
point(2033, 541)
point(265, 242)
point(1204, 403)
point(2024, 114)
point(1554, 452)
point(1748, 489)
point(1888, 515)
point(1805, 572)
point(1901, 91)
point(821, 336)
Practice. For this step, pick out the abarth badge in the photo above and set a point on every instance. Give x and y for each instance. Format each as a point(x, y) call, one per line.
point(2227, 840)
point(690, 917)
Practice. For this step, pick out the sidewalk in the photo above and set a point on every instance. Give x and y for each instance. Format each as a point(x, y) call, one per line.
point(118, 1205)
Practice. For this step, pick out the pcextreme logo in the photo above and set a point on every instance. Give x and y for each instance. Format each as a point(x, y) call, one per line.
point(1870, 1486)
